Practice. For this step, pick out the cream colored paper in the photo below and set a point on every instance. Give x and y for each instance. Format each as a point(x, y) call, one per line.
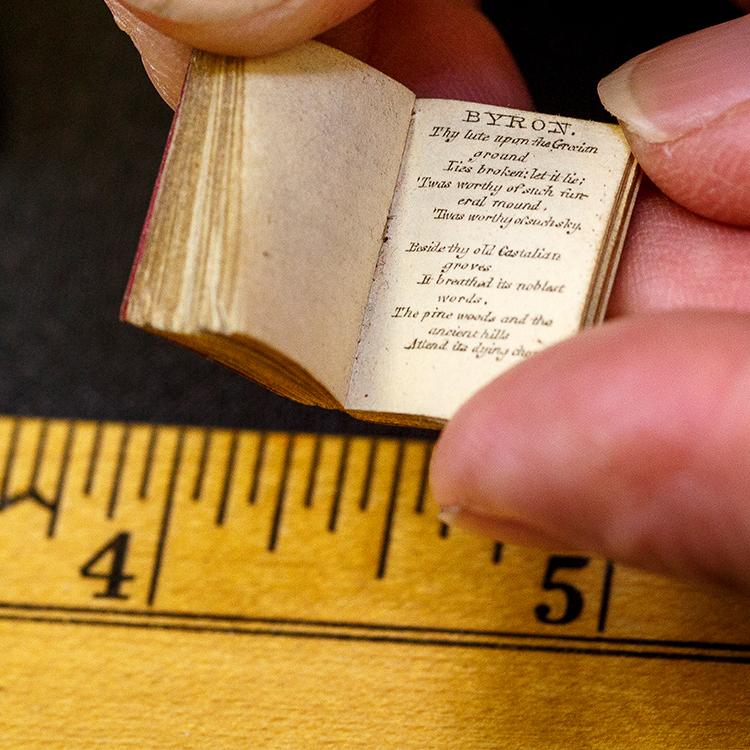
point(318, 229)
point(274, 196)
point(497, 228)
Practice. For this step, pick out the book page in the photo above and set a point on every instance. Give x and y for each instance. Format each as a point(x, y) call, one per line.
point(335, 129)
point(494, 238)
point(273, 198)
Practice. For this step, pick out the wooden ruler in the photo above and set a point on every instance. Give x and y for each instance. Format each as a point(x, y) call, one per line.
point(166, 587)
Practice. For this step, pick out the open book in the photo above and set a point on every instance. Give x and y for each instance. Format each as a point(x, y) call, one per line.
point(320, 230)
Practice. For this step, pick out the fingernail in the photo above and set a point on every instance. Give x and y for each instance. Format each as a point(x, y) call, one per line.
point(502, 530)
point(166, 60)
point(683, 84)
point(199, 11)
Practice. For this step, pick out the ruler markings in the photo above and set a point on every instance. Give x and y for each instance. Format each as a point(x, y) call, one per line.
point(7, 498)
point(257, 469)
point(9, 462)
point(40, 446)
point(401, 640)
point(94, 459)
point(310, 490)
point(385, 585)
point(609, 571)
point(497, 553)
point(238, 620)
point(424, 481)
point(148, 464)
point(281, 495)
point(221, 513)
point(340, 478)
point(391, 511)
point(166, 516)
point(519, 642)
point(201, 475)
point(49, 446)
point(62, 476)
point(32, 492)
point(369, 473)
point(117, 479)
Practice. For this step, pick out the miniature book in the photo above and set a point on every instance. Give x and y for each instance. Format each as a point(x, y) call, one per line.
point(325, 233)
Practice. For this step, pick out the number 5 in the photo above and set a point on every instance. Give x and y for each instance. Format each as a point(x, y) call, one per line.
point(573, 597)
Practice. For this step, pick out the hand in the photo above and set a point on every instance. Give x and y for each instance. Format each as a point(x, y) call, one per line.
point(631, 440)
point(438, 48)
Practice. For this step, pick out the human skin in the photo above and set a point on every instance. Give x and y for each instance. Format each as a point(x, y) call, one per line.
point(632, 440)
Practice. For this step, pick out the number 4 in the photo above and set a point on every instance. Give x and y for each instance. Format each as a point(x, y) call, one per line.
point(117, 552)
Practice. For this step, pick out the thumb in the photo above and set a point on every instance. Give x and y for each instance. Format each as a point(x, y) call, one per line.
point(631, 440)
point(244, 27)
point(438, 48)
point(685, 107)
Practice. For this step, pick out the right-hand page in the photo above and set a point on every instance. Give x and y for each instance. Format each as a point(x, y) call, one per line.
point(504, 228)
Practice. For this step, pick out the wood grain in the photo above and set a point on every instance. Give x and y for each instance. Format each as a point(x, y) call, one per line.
point(284, 591)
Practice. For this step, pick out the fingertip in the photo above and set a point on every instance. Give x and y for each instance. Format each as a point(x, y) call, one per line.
point(683, 84)
point(245, 29)
point(441, 48)
point(685, 107)
point(706, 170)
point(166, 60)
point(630, 441)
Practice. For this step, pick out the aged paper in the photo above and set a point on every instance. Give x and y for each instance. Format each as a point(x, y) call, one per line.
point(270, 210)
point(494, 237)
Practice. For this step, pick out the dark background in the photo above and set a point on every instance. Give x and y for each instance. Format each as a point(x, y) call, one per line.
point(81, 136)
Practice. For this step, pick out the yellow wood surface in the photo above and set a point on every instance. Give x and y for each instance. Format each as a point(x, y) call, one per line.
point(295, 591)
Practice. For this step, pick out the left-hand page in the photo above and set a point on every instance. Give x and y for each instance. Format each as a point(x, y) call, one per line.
point(268, 215)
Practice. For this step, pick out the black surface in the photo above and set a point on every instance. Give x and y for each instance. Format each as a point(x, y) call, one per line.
point(81, 136)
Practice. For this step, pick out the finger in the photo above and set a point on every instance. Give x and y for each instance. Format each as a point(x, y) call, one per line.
point(166, 60)
point(685, 107)
point(631, 440)
point(438, 48)
point(245, 27)
point(674, 258)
